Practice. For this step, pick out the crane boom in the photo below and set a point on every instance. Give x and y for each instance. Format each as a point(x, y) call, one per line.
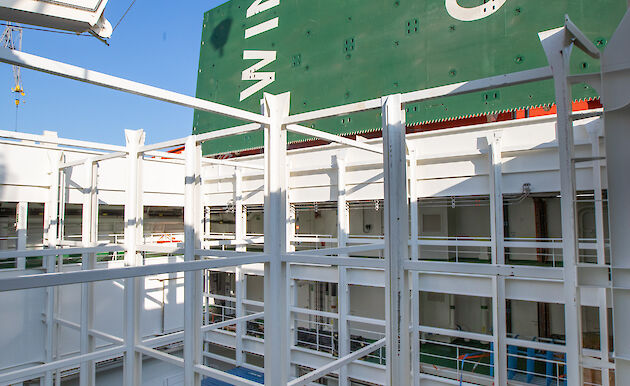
point(12, 38)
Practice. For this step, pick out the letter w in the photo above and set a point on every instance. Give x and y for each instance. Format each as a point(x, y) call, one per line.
point(264, 78)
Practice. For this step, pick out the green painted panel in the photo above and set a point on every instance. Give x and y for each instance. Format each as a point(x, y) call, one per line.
point(331, 52)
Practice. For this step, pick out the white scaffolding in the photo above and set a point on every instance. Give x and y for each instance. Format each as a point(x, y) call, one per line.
point(402, 264)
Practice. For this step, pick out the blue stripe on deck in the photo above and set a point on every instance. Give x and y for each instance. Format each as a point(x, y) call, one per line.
point(242, 372)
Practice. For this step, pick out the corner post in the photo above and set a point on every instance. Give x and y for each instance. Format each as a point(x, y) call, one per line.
point(277, 353)
point(558, 45)
point(396, 242)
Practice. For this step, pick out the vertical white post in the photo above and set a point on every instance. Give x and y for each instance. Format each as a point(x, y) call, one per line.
point(616, 101)
point(595, 133)
point(193, 291)
point(240, 232)
point(133, 234)
point(21, 225)
point(497, 236)
point(63, 194)
point(291, 214)
point(558, 45)
point(415, 278)
point(60, 235)
point(496, 198)
point(343, 295)
point(499, 330)
point(51, 221)
point(396, 242)
point(277, 355)
point(87, 375)
point(4, 226)
point(290, 286)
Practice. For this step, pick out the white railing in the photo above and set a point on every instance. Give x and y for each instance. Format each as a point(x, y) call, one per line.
point(535, 366)
point(359, 339)
point(443, 356)
point(315, 330)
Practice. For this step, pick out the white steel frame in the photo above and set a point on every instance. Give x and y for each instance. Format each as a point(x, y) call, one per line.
point(401, 264)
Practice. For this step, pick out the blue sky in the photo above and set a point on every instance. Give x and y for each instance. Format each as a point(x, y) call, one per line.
point(157, 43)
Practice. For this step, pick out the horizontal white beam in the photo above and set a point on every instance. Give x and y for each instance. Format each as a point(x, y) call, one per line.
point(362, 262)
point(33, 62)
point(66, 278)
point(493, 82)
point(223, 376)
point(236, 130)
point(334, 138)
point(216, 326)
point(208, 161)
point(450, 242)
point(159, 355)
point(372, 104)
point(241, 129)
point(62, 251)
point(97, 158)
point(307, 311)
point(34, 371)
point(178, 336)
point(59, 141)
point(363, 319)
point(94, 333)
point(170, 248)
point(214, 161)
point(520, 271)
point(164, 339)
point(163, 145)
point(332, 366)
point(344, 250)
point(455, 333)
point(217, 242)
point(220, 253)
point(219, 297)
point(536, 345)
